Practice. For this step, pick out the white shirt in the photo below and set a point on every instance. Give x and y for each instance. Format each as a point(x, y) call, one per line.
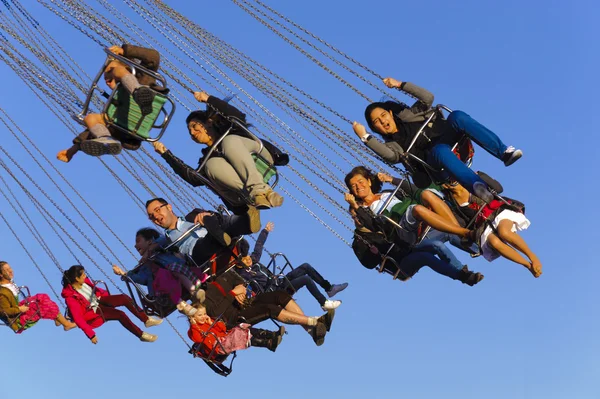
point(13, 288)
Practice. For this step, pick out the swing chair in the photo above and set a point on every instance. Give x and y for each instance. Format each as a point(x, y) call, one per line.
point(122, 113)
point(11, 322)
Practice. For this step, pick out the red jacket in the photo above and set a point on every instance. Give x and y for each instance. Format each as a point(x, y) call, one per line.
point(208, 342)
point(80, 310)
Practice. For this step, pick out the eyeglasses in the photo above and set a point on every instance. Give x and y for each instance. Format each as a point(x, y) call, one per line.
point(152, 214)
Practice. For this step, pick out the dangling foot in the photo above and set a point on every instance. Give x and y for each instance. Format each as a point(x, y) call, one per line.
point(101, 146)
point(318, 333)
point(151, 322)
point(260, 201)
point(186, 309)
point(253, 219)
point(215, 230)
point(144, 96)
point(69, 326)
point(536, 268)
point(511, 155)
point(468, 277)
point(148, 337)
point(275, 200)
point(327, 319)
point(330, 305)
point(64, 156)
point(335, 288)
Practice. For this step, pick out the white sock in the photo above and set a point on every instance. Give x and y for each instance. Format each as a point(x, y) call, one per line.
point(130, 83)
point(99, 130)
point(312, 321)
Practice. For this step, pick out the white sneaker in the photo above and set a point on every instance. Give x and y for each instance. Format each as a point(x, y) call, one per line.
point(151, 322)
point(330, 305)
point(148, 337)
point(335, 288)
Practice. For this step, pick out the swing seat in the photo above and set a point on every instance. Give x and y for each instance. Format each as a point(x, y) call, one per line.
point(266, 170)
point(125, 113)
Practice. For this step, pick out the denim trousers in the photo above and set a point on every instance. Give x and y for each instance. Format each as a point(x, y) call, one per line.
point(441, 155)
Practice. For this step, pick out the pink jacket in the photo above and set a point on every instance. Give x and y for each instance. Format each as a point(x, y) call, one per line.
point(80, 310)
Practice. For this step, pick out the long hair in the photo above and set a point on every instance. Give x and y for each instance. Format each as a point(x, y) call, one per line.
point(71, 274)
point(376, 185)
point(394, 107)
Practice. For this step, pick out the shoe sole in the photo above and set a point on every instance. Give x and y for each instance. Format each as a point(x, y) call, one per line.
point(96, 148)
point(327, 309)
point(514, 157)
point(157, 323)
point(319, 334)
point(144, 97)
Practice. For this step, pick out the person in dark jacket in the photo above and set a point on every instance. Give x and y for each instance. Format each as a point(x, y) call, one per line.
point(100, 139)
point(398, 124)
point(226, 298)
point(302, 276)
point(231, 168)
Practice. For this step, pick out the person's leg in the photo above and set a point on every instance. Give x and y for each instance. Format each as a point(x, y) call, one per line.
point(484, 137)
point(102, 142)
point(96, 125)
point(414, 261)
point(306, 269)
point(439, 248)
point(236, 150)
point(512, 238)
point(441, 156)
point(306, 281)
point(437, 222)
point(143, 277)
point(110, 313)
point(123, 300)
point(225, 178)
point(508, 252)
point(437, 205)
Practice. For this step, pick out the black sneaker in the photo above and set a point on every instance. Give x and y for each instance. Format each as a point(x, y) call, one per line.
point(144, 97)
point(327, 319)
point(511, 155)
point(101, 146)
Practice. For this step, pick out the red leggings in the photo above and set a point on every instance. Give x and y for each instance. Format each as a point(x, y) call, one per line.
point(108, 312)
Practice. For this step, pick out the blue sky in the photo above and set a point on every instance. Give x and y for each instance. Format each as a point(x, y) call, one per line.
point(526, 70)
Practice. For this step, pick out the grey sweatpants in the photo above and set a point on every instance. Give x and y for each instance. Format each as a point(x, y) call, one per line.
point(235, 172)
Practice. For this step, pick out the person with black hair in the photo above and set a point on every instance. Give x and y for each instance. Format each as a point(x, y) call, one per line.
point(214, 234)
point(231, 168)
point(302, 276)
point(90, 306)
point(144, 274)
point(397, 124)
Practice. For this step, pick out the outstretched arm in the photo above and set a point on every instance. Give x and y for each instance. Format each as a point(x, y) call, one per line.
point(425, 98)
point(260, 243)
point(180, 168)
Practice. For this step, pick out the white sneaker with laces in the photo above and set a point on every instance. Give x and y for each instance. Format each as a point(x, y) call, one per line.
point(335, 288)
point(330, 305)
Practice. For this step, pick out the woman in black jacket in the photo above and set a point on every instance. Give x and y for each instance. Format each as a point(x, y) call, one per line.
point(231, 167)
point(398, 123)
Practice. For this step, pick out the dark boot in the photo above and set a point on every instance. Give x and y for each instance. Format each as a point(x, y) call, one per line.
point(214, 228)
point(267, 339)
point(468, 277)
point(269, 343)
point(327, 319)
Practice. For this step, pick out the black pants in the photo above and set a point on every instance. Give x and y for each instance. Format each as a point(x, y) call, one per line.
point(265, 306)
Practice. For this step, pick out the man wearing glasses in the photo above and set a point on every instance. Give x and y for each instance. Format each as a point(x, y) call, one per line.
point(204, 242)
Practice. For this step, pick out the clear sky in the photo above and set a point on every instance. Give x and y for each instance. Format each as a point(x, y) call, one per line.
point(528, 70)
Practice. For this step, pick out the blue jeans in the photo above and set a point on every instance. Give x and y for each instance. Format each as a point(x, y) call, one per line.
point(306, 276)
point(452, 239)
point(143, 276)
point(414, 261)
point(441, 155)
point(440, 249)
